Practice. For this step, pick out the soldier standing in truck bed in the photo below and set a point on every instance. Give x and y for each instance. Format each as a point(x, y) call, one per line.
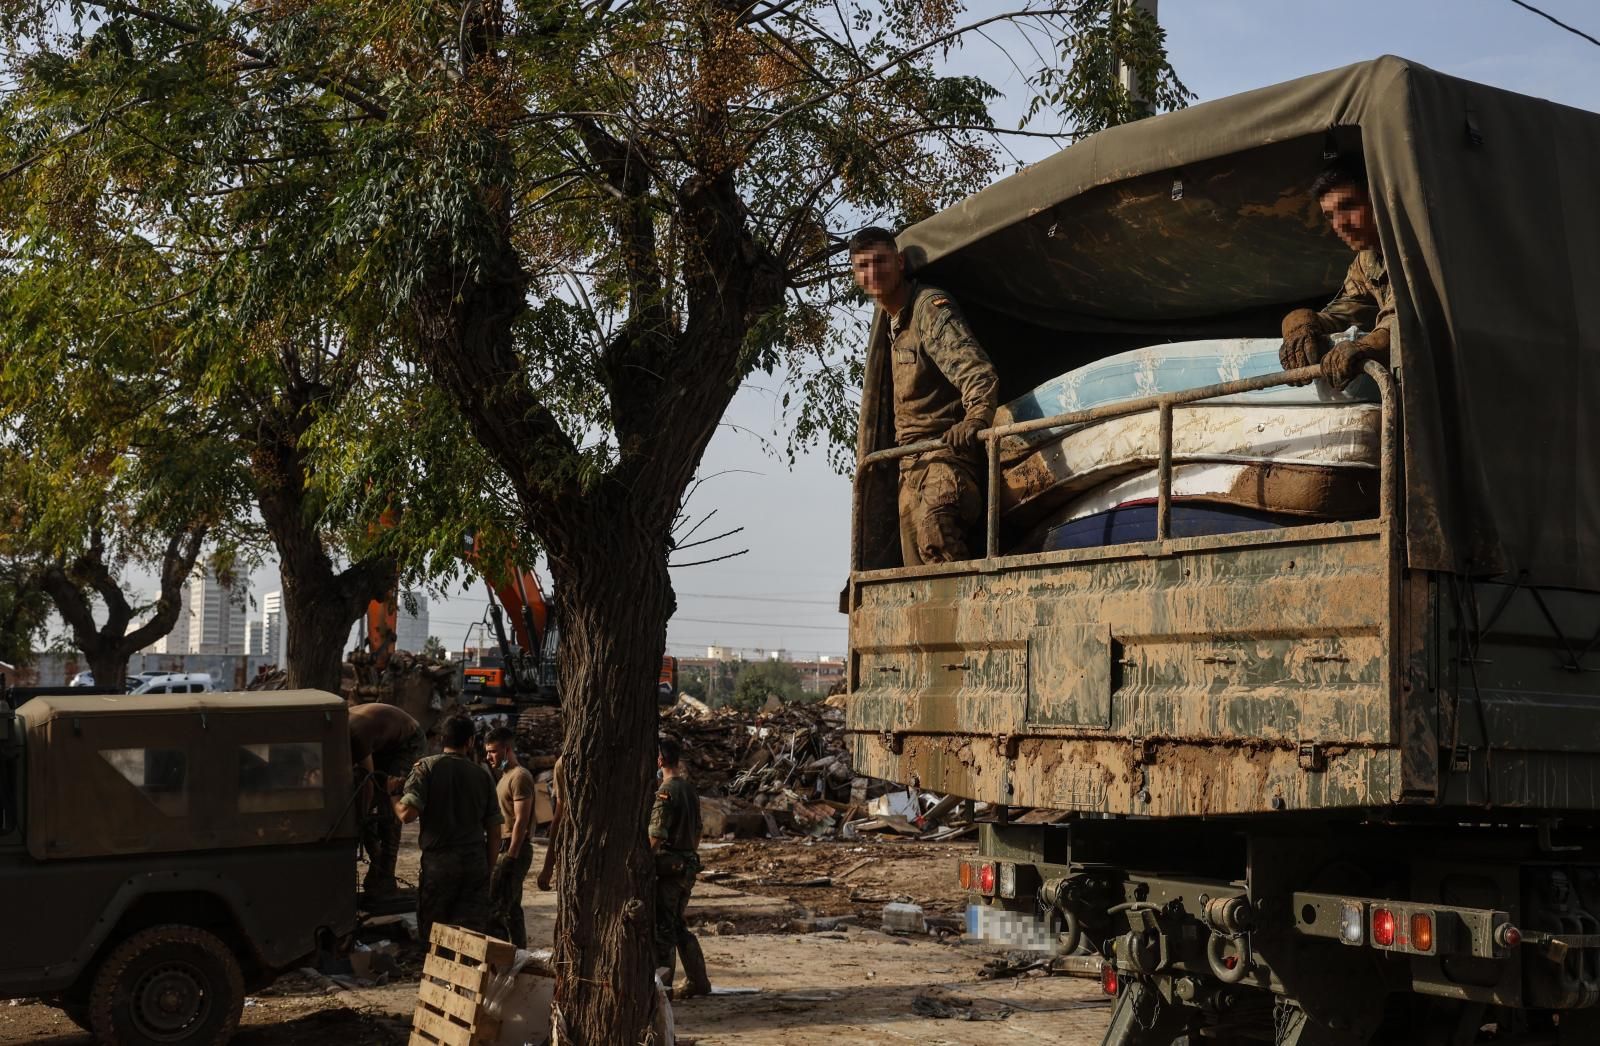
point(675, 841)
point(945, 388)
point(1367, 298)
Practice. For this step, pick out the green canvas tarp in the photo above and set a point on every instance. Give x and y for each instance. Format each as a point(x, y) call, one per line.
point(1199, 223)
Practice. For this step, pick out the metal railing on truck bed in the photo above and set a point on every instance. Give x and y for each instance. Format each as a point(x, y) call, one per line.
point(1211, 675)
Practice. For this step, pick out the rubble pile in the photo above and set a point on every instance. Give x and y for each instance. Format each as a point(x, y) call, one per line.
point(786, 769)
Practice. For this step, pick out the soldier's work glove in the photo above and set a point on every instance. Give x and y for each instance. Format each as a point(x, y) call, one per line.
point(963, 435)
point(1303, 341)
point(1344, 361)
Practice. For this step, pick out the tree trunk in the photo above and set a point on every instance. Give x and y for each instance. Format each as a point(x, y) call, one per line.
point(613, 597)
point(319, 603)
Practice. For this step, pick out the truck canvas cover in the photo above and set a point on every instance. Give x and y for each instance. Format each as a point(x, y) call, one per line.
point(1200, 223)
point(151, 773)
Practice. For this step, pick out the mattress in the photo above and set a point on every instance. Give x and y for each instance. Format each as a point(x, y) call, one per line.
point(1084, 458)
point(1167, 368)
point(1306, 493)
point(1138, 523)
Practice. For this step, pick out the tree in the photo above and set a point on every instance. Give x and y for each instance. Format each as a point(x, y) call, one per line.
point(433, 648)
point(588, 224)
point(759, 680)
point(24, 611)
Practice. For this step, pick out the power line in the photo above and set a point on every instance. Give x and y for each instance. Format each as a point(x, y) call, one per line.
point(780, 625)
point(1552, 18)
point(762, 599)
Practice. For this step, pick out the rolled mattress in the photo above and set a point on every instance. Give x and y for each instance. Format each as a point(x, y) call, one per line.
point(1279, 491)
point(1138, 523)
point(1340, 436)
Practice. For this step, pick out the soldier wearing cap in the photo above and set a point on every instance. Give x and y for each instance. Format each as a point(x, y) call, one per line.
point(945, 388)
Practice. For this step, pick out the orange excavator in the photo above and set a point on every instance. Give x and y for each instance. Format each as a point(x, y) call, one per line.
point(522, 671)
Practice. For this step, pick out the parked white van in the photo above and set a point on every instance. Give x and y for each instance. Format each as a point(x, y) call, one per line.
point(178, 683)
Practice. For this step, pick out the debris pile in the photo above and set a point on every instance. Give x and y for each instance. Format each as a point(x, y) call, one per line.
point(786, 769)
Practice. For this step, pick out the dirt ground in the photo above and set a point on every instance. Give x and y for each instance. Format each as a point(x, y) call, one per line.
point(767, 924)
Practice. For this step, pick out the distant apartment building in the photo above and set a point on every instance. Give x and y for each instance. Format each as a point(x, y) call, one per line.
point(819, 676)
point(411, 630)
point(218, 614)
point(272, 627)
point(253, 637)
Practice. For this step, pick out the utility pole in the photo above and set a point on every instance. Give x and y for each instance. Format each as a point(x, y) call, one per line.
point(1125, 75)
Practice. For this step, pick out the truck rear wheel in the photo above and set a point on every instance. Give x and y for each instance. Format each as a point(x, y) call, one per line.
point(167, 986)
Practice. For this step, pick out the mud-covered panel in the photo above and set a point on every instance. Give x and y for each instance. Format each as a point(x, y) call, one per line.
point(1069, 676)
point(954, 766)
point(1191, 780)
point(1280, 642)
point(1204, 681)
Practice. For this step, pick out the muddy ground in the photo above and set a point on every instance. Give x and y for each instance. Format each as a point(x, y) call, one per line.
point(765, 920)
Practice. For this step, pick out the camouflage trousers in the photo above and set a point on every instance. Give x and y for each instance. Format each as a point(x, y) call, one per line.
point(454, 890)
point(380, 838)
point(672, 925)
point(939, 506)
point(505, 895)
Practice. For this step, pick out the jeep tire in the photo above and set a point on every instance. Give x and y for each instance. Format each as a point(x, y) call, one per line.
point(167, 986)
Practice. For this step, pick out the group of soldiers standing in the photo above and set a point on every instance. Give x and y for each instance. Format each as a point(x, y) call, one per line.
point(476, 821)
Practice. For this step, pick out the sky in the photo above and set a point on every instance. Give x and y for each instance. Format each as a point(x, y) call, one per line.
point(783, 594)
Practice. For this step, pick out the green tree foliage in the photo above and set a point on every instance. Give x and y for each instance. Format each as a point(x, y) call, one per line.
point(585, 224)
point(759, 680)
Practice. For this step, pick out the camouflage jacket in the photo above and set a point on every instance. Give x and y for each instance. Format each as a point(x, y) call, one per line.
point(941, 373)
point(1366, 300)
point(675, 817)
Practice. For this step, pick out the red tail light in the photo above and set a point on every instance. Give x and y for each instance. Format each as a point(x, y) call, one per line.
point(986, 878)
point(1382, 927)
point(1108, 978)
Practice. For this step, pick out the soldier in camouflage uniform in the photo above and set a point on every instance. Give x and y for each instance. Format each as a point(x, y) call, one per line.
point(675, 841)
point(1366, 300)
point(945, 388)
point(459, 835)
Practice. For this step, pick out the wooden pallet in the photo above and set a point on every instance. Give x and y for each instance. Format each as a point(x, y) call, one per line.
point(455, 977)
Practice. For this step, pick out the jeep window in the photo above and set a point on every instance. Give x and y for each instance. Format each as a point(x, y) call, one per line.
point(161, 774)
point(285, 775)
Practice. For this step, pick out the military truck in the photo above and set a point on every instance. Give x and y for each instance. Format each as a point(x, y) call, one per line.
point(161, 856)
point(1335, 783)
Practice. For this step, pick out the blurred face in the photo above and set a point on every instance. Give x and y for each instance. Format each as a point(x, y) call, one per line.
point(498, 753)
point(879, 270)
point(1349, 210)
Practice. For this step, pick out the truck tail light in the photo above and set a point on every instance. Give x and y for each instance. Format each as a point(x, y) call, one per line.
point(1353, 923)
point(1383, 927)
point(1108, 978)
point(1508, 936)
point(1008, 880)
point(1422, 931)
point(986, 878)
point(965, 874)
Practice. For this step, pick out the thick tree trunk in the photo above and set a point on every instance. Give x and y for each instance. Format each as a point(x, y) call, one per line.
point(319, 603)
point(316, 623)
point(613, 598)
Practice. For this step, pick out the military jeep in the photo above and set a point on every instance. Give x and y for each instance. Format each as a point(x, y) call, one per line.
point(161, 856)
